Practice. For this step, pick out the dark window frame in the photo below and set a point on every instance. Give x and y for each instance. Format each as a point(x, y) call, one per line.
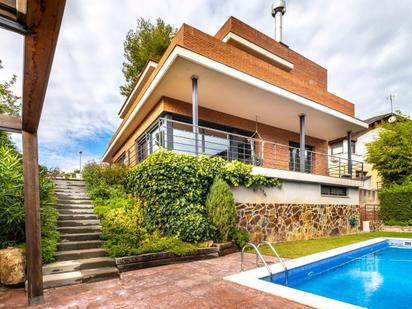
point(335, 191)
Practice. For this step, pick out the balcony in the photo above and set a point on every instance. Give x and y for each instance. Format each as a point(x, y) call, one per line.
point(182, 137)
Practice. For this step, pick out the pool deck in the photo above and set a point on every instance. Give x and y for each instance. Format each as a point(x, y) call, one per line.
point(198, 284)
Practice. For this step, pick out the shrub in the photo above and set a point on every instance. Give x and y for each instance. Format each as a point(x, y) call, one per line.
point(174, 187)
point(122, 228)
point(396, 203)
point(240, 237)
point(12, 205)
point(221, 209)
point(105, 181)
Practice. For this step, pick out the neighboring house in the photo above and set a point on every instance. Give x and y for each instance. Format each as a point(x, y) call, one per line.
point(339, 148)
point(242, 95)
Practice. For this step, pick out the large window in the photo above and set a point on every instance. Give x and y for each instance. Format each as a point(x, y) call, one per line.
point(333, 191)
point(294, 157)
point(336, 148)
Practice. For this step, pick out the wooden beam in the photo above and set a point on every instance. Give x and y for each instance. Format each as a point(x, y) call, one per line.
point(32, 217)
point(43, 20)
point(10, 123)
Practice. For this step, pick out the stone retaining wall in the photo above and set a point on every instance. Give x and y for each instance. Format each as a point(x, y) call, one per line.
point(279, 222)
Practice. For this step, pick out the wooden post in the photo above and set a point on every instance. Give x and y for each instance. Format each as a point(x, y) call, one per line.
point(32, 217)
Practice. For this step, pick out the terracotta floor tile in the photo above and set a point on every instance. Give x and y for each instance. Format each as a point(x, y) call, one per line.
point(191, 285)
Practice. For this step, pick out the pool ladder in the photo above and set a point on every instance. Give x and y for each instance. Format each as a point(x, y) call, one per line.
point(260, 256)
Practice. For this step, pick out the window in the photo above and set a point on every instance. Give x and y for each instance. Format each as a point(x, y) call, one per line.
point(294, 157)
point(122, 158)
point(337, 148)
point(333, 190)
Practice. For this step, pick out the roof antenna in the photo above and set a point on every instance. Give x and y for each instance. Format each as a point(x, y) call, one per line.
point(390, 99)
point(278, 10)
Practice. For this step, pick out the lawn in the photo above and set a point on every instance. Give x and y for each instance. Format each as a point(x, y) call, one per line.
point(298, 248)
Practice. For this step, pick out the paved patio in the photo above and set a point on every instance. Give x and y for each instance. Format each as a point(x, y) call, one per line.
point(197, 284)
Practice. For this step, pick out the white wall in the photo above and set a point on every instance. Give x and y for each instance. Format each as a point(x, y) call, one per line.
point(294, 192)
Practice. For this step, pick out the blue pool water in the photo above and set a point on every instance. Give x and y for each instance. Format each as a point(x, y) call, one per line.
point(377, 276)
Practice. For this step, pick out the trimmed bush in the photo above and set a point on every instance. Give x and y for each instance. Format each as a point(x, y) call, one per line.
point(396, 204)
point(221, 209)
point(174, 187)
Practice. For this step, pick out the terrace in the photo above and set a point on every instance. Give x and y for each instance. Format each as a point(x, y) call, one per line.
point(183, 137)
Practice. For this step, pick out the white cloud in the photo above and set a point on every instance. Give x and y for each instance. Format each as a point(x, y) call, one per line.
point(365, 46)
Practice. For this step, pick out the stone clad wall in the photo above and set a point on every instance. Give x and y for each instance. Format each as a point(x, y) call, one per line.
point(280, 222)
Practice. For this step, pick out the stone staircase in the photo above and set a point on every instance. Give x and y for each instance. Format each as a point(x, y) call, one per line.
point(80, 257)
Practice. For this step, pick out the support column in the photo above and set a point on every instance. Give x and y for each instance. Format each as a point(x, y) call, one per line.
point(32, 218)
point(169, 131)
point(302, 150)
point(349, 138)
point(195, 111)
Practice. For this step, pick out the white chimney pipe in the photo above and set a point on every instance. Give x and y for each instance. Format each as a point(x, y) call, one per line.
point(278, 10)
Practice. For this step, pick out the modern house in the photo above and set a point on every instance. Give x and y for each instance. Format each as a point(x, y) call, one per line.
point(360, 139)
point(244, 96)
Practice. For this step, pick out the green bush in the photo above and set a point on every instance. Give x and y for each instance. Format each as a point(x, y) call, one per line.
point(122, 228)
point(221, 209)
point(174, 189)
point(124, 232)
point(12, 205)
point(240, 237)
point(396, 203)
point(105, 181)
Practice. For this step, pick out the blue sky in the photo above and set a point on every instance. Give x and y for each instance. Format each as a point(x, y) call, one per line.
point(365, 45)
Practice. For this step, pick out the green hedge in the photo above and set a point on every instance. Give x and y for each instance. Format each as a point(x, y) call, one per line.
point(105, 181)
point(396, 204)
point(12, 205)
point(174, 187)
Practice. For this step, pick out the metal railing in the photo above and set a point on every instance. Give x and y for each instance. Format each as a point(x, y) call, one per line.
point(258, 255)
point(183, 137)
point(285, 269)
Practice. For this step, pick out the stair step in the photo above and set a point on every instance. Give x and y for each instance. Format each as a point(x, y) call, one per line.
point(80, 254)
point(75, 211)
point(78, 245)
point(98, 274)
point(74, 206)
point(75, 201)
point(80, 229)
point(73, 223)
point(80, 264)
point(72, 195)
point(89, 275)
point(86, 216)
point(80, 236)
point(62, 279)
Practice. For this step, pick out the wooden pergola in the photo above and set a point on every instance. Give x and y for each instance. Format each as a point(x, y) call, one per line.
point(39, 22)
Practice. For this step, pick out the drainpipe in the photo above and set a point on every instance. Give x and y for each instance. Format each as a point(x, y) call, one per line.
point(349, 138)
point(302, 151)
point(195, 111)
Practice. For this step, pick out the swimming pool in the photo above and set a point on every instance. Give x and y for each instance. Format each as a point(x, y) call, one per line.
point(371, 274)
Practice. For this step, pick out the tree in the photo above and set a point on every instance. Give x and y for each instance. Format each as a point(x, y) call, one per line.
point(9, 104)
point(148, 41)
point(221, 209)
point(391, 153)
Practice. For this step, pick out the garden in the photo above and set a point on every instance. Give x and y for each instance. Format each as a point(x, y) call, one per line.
point(169, 202)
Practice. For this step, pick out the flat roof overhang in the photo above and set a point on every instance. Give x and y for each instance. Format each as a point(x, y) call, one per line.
point(230, 91)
